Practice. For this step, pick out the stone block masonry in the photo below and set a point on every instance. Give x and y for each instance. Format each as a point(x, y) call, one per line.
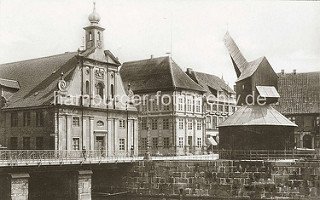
point(225, 179)
point(19, 186)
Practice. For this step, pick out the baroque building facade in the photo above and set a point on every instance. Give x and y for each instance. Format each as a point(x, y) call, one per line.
point(220, 102)
point(71, 101)
point(170, 109)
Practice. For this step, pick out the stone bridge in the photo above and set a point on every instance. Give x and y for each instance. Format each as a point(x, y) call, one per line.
point(79, 175)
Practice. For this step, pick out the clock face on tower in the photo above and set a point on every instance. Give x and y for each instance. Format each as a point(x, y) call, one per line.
point(99, 44)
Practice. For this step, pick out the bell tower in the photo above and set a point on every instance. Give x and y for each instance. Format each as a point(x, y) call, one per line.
point(94, 32)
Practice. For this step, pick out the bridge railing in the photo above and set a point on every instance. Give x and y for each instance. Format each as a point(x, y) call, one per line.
point(62, 155)
point(268, 154)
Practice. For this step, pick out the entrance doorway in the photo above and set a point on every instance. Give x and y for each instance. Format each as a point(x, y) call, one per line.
point(99, 143)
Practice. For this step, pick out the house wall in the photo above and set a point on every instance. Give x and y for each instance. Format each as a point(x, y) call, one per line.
point(98, 123)
point(32, 131)
point(174, 132)
point(307, 134)
point(243, 88)
point(264, 76)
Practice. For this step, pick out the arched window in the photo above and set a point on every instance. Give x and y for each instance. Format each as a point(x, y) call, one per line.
point(99, 36)
point(112, 91)
point(90, 36)
point(100, 89)
point(87, 87)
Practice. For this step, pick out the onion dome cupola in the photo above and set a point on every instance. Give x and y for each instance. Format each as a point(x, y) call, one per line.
point(94, 17)
point(94, 32)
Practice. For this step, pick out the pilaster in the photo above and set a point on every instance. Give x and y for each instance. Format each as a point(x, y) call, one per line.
point(91, 135)
point(68, 133)
point(84, 184)
point(19, 186)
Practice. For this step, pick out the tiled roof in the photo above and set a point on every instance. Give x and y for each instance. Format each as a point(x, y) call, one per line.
point(299, 93)
point(9, 83)
point(156, 74)
point(208, 81)
point(257, 115)
point(37, 78)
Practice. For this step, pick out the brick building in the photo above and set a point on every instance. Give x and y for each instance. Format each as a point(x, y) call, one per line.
point(70, 101)
point(175, 124)
point(220, 102)
point(300, 102)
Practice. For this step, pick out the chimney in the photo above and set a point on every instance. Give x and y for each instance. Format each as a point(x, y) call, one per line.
point(282, 72)
point(189, 70)
point(294, 71)
point(234, 88)
point(151, 57)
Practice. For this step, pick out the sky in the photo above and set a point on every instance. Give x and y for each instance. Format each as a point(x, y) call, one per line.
point(286, 32)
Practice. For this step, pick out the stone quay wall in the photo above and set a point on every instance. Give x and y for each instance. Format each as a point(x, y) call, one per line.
point(224, 179)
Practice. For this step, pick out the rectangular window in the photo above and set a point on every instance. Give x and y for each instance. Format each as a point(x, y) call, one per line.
point(76, 121)
point(220, 108)
point(144, 143)
point(14, 119)
point(209, 107)
point(189, 105)
point(180, 104)
point(233, 109)
point(165, 124)
point(190, 141)
point(155, 105)
point(13, 143)
point(154, 143)
point(122, 123)
point(198, 124)
point(144, 123)
point(220, 120)
point(198, 106)
point(180, 123)
point(166, 105)
point(181, 142)
point(26, 118)
point(317, 121)
point(199, 142)
point(214, 122)
point(166, 142)
point(154, 124)
point(121, 144)
point(39, 118)
point(39, 143)
point(208, 122)
point(226, 108)
point(75, 143)
point(26, 143)
point(214, 107)
point(190, 124)
point(144, 105)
